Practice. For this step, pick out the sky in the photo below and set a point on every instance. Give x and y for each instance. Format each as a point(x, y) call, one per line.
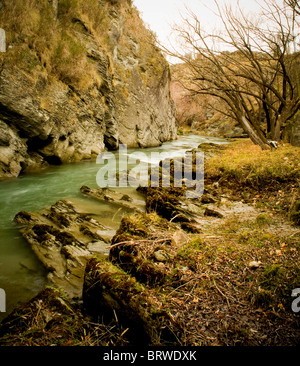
point(160, 15)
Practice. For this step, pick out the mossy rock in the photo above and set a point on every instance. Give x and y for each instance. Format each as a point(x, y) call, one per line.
point(164, 201)
point(276, 283)
point(109, 291)
point(134, 244)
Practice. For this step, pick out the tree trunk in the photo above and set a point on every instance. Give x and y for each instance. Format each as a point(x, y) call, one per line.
point(254, 136)
point(277, 128)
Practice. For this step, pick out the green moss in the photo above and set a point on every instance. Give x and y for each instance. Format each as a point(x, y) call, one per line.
point(263, 219)
point(188, 254)
point(275, 285)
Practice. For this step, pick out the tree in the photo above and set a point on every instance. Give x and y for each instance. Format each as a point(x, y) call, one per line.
point(249, 66)
point(294, 4)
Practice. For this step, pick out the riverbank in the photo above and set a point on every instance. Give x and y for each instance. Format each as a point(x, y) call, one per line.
point(219, 271)
point(22, 274)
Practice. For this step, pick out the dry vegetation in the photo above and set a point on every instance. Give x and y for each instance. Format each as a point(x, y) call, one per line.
point(202, 114)
point(39, 40)
point(256, 82)
point(228, 283)
point(269, 179)
point(50, 320)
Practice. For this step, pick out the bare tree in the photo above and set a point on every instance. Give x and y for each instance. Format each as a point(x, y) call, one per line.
point(294, 4)
point(295, 7)
point(254, 76)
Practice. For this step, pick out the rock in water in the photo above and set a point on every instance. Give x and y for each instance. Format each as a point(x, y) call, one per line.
point(114, 198)
point(64, 239)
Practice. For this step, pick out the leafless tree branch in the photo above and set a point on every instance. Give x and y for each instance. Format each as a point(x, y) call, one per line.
point(254, 78)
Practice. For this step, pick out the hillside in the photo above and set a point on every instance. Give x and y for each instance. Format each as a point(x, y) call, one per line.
point(78, 76)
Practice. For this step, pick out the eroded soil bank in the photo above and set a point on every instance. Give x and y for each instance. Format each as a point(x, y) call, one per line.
point(214, 270)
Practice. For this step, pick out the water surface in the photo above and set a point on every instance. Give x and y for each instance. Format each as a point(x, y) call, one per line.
point(21, 274)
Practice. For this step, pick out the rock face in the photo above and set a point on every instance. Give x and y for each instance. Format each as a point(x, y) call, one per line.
point(79, 77)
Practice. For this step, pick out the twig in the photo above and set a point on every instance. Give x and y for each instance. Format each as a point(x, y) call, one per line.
point(295, 233)
point(228, 303)
point(137, 242)
point(184, 284)
point(116, 213)
point(173, 218)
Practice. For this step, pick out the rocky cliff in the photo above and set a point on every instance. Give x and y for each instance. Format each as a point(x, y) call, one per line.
point(78, 76)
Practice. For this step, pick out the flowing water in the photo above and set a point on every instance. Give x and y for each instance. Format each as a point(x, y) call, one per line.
point(21, 274)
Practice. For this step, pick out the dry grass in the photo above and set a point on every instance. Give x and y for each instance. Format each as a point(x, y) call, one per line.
point(50, 319)
point(40, 41)
point(205, 285)
point(246, 164)
point(267, 179)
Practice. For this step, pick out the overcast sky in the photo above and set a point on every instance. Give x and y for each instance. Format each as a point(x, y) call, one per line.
point(160, 15)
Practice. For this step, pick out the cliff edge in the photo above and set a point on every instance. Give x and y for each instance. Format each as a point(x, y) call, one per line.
point(78, 76)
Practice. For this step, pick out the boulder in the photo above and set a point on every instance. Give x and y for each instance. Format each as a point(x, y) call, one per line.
point(114, 198)
point(213, 212)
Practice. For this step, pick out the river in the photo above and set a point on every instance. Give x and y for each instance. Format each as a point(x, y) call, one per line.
point(21, 274)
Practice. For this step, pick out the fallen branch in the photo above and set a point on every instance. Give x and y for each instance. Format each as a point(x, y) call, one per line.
point(228, 303)
point(137, 242)
point(109, 290)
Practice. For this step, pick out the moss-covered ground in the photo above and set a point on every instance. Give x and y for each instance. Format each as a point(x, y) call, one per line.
point(228, 283)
